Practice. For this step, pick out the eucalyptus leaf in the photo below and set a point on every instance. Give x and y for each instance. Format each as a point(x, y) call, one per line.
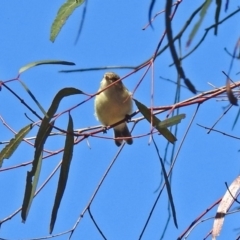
point(33, 175)
point(43, 62)
point(198, 24)
point(155, 122)
point(171, 121)
point(62, 181)
point(63, 14)
point(10, 148)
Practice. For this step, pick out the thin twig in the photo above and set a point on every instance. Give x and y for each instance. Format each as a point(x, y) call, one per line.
point(169, 173)
point(98, 187)
point(98, 228)
point(224, 113)
point(214, 130)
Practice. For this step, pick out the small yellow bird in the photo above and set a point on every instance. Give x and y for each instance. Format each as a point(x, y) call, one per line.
point(112, 105)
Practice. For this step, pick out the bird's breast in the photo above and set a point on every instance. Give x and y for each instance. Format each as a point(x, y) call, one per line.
point(113, 105)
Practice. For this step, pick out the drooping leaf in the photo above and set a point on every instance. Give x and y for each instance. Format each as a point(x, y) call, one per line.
point(42, 135)
point(10, 148)
point(224, 205)
point(33, 97)
point(155, 121)
point(63, 14)
point(30, 189)
point(82, 21)
point(198, 24)
point(167, 186)
point(62, 181)
point(33, 175)
point(43, 62)
point(236, 119)
point(217, 14)
point(232, 99)
point(150, 11)
point(226, 5)
point(190, 86)
point(52, 110)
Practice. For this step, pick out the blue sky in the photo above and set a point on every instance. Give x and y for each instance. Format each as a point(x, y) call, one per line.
point(113, 35)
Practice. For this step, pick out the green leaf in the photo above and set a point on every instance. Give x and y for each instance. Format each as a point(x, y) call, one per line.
point(190, 86)
point(198, 24)
point(217, 14)
point(30, 189)
point(236, 119)
point(33, 175)
point(62, 181)
point(42, 135)
point(33, 97)
point(52, 110)
point(10, 148)
point(43, 62)
point(155, 122)
point(63, 14)
point(232, 99)
point(171, 121)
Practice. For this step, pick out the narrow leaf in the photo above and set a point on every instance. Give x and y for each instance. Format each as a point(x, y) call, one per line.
point(167, 186)
point(10, 148)
point(33, 175)
point(150, 11)
point(236, 119)
point(82, 22)
point(232, 99)
point(190, 86)
point(226, 5)
point(155, 122)
point(224, 206)
point(42, 135)
point(30, 189)
point(52, 110)
point(63, 14)
point(43, 62)
point(33, 97)
point(198, 24)
point(171, 121)
point(217, 14)
point(62, 181)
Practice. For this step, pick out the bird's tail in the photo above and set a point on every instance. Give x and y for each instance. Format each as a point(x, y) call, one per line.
point(122, 133)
